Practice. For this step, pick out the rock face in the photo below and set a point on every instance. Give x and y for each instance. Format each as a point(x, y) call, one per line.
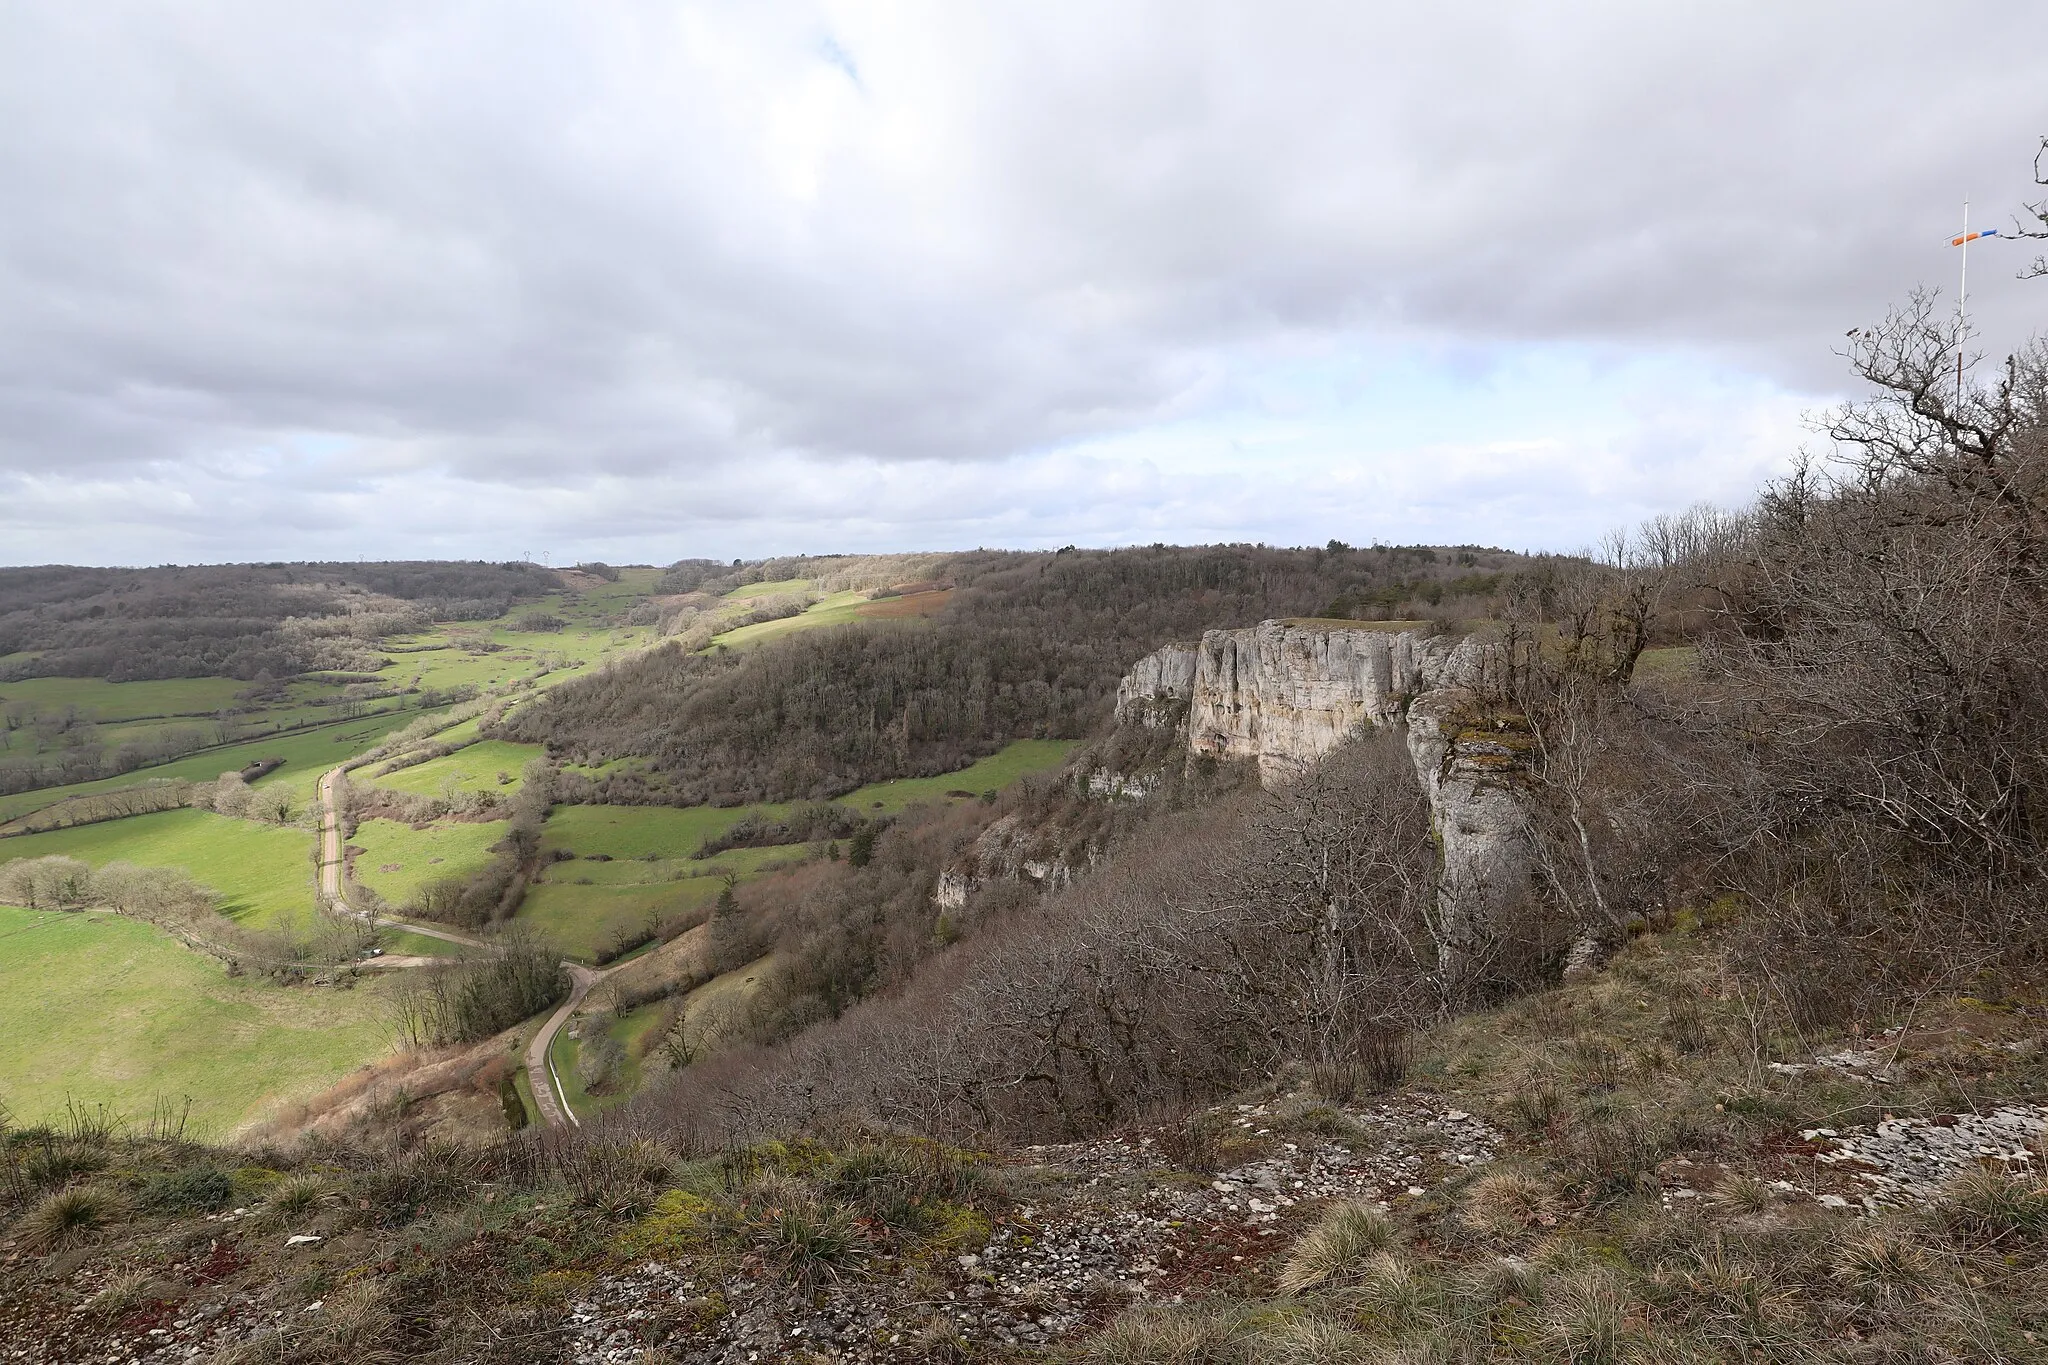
point(1157, 689)
point(1008, 850)
point(1285, 695)
point(1474, 767)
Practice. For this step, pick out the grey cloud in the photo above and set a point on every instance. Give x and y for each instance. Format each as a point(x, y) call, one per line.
point(536, 245)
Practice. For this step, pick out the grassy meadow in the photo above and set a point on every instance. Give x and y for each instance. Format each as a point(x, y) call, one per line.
point(103, 1009)
point(837, 609)
point(581, 920)
point(1018, 759)
point(125, 701)
point(476, 767)
point(264, 873)
point(647, 872)
point(306, 755)
point(638, 831)
point(397, 860)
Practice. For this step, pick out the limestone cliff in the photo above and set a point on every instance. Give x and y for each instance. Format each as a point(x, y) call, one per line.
point(1285, 694)
point(1474, 762)
point(1156, 690)
point(1008, 850)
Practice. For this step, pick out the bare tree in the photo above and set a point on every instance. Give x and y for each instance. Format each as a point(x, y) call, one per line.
point(2038, 211)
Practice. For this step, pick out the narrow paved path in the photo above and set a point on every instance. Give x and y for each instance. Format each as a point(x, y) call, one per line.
point(540, 1067)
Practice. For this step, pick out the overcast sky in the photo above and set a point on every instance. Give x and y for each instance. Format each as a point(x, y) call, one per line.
point(636, 281)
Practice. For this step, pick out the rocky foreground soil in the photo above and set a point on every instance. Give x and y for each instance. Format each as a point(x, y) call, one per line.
point(1060, 1240)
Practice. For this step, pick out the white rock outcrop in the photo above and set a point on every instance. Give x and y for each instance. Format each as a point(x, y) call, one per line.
point(1158, 686)
point(1284, 695)
point(1474, 774)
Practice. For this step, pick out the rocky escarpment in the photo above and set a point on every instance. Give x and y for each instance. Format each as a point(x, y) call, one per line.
point(1156, 690)
point(1473, 761)
point(1283, 694)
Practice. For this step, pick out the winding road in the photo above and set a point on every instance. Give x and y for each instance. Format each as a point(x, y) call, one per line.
point(548, 1094)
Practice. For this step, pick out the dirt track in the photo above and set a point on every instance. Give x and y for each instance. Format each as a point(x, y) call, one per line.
point(547, 1095)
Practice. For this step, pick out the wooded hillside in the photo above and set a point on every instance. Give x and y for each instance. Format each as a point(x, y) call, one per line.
point(1029, 646)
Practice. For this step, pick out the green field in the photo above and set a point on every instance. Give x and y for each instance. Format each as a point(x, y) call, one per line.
point(1668, 663)
point(403, 942)
point(110, 701)
point(647, 871)
point(108, 1010)
point(781, 587)
point(638, 831)
point(459, 733)
point(397, 860)
point(836, 610)
point(669, 832)
point(264, 873)
point(580, 920)
point(474, 768)
point(581, 903)
point(306, 755)
point(1018, 759)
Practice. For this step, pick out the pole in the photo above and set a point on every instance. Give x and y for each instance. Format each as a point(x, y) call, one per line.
point(1962, 306)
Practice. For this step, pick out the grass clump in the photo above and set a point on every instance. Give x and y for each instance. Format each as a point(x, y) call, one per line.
point(69, 1217)
point(197, 1189)
point(803, 1240)
point(1199, 1334)
point(1338, 1246)
point(1586, 1314)
point(1887, 1265)
point(122, 1294)
point(295, 1196)
point(1992, 1209)
point(1509, 1204)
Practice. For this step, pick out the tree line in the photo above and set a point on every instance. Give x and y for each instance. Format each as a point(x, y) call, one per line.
point(237, 620)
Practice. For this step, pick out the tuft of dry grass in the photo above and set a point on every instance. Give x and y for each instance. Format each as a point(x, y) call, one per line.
point(1991, 1208)
point(1509, 1204)
point(1391, 1295)
point(1535, 1106)
point(125, 1291)
point(1744, 1194)
point(1586, 1313)
point(804, 1241)
point(1338, 1245)
point(1379, 1063)
point(356, 1320)
point(69, 1217)
point(1158, 1334)
point(295, 1196)
point(1886, 1265)
point(1314, 1341)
